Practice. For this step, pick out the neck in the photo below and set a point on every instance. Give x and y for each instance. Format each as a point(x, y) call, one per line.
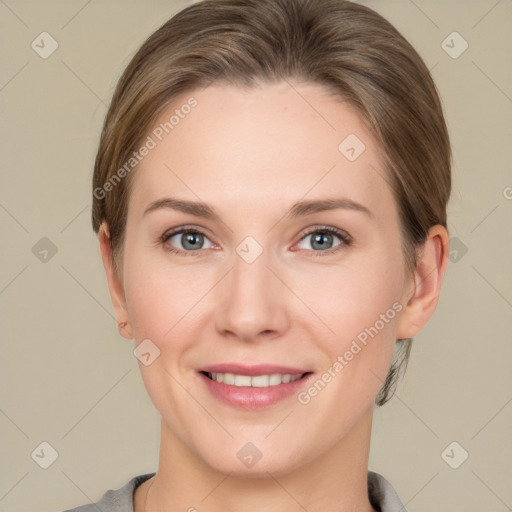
point(334, 481)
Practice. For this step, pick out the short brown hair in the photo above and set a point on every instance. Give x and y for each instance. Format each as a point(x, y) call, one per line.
point(348, 48)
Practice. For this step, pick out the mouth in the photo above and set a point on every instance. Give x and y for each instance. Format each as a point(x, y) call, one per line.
point(253, 387)
point(255, 381)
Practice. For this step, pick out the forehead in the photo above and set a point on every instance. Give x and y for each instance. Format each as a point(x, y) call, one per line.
point(283, 141)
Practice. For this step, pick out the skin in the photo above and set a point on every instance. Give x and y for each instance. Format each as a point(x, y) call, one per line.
point(251, 154)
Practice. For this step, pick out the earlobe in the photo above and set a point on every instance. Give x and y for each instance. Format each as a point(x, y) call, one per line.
point(428, 276)
point(114, 282)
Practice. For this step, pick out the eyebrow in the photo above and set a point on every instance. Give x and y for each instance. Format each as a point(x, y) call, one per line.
point(299, 209)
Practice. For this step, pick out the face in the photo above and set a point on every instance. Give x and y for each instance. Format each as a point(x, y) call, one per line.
point(275, 323)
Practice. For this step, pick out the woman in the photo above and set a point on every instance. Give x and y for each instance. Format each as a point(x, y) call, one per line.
point(270, 198)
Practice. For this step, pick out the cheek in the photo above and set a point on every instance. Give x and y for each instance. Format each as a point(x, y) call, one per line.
point(354, 297)
point(162, 298)
point(160, 301)
point(360, 306)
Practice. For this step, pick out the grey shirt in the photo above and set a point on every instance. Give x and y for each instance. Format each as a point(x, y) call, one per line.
point(383, 496)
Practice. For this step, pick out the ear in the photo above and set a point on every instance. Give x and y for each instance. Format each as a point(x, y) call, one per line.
point(115, 284)
point(420, 304)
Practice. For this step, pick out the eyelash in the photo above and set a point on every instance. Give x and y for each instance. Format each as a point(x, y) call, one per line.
point(345, 238)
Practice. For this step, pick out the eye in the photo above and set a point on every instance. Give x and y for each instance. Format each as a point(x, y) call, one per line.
point(190, 239)
point(322, 239)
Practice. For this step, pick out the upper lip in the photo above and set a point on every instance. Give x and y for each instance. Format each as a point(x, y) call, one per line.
point(252, 370)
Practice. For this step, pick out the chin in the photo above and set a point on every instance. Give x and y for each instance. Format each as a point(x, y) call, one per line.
point(247, 460)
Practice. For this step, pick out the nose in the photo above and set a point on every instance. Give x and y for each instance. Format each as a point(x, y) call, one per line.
point(252, 302)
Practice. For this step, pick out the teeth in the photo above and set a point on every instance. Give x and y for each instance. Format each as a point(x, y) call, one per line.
point(275, 379)
point(228, 378)
point(260, 381)
point(242, 380)
point(257, 381)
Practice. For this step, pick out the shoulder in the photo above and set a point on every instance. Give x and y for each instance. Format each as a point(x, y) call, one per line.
point(115, 500)
point(382, 494)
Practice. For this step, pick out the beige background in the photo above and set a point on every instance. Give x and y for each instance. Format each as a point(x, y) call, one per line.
point(69, 379)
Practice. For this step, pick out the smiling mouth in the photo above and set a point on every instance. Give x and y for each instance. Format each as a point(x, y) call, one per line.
point(254, 381)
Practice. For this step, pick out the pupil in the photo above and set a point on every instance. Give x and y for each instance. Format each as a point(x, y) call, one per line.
point(318, 239)
point(189, 238)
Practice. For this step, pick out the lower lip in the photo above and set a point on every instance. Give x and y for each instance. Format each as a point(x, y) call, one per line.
point(247, 397)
